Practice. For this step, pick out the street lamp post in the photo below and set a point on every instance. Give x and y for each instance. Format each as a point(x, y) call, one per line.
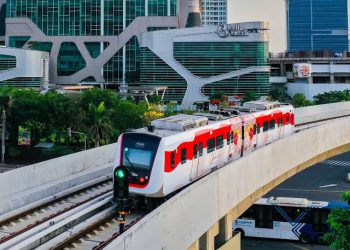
point(70, 132)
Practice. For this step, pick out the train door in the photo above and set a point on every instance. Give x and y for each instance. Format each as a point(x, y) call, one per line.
point(198, 161)
point(195, 162)
point(257, 134)
point(280, 128)
point(201, 161)
point(229, 153)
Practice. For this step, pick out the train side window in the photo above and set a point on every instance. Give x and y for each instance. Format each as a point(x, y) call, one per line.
point(200, 148)
point(280, 122)
point(172, 160)
point(232, 137)
point(183, 156)
point(219, 141)
point(195, 151)
point(265, 126)
point(254, 129)
point(258, 128)
point(272, 124)
point(287, 119)
point(228, 138)
point(211, 145)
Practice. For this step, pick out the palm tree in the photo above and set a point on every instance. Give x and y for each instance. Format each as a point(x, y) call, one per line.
point(100, 123)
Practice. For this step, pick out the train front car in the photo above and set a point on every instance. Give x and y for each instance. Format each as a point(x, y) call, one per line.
point(139, 152)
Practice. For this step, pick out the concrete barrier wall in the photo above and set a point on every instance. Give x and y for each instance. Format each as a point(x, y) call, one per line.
point(312, 113)
point(310, 90)
point(183, 219)
point(22, 181)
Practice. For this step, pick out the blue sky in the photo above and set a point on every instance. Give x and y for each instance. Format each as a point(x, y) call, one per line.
point(272, 11)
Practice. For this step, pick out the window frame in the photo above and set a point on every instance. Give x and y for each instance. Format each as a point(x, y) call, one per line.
point(172, 160)
point(183, 155)
point(211, 143)
point(287, 119)
point(219, 141)
point(195, 151)
point(266, 126)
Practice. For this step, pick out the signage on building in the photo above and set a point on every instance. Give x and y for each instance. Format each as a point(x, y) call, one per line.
point(302, 70)
point(225, 30)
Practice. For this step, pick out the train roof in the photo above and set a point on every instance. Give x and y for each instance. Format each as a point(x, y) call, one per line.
point(182, 122)
point(299, 202)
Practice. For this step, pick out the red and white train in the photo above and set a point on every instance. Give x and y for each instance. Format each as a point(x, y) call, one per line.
point(177, 150)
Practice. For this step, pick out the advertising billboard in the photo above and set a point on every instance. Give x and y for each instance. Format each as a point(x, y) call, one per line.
point(302, 70)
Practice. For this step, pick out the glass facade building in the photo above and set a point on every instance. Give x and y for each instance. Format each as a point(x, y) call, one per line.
point(208, 59)
point(317, 25)
point(214, 12)
point(2, 22)
point(89, 18)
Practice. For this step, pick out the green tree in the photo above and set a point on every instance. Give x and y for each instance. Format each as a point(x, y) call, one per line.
point(332, 96)
point(127, 115)
point(339, 221)
point(299, 100)
point(62, 112)
point(28, 108)
point(96, 96)
point(154, 99)
point(98, 123)
point(277, 94)
point(249, 96)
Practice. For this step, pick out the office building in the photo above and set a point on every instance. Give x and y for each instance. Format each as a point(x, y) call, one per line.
point(194, 63)
point(319, 72)
point(214, 12)
point(2, 21)
point(317, 25)
point(94, 41)
point(23, 68)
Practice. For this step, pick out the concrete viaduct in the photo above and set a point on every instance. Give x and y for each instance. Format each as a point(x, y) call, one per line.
point(206, 209)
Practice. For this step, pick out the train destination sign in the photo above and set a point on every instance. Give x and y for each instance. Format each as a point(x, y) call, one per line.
point(225, 30)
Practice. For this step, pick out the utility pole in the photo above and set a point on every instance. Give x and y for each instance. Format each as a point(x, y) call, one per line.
point(3, 136)
point(70, 132)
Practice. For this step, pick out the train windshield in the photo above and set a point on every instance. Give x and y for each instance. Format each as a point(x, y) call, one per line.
point(139, 150)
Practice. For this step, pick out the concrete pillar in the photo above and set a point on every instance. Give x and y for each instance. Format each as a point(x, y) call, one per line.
point(194, 246)
point(207, 240)
point(310, 80)
point(225, 228)
point(283, 68)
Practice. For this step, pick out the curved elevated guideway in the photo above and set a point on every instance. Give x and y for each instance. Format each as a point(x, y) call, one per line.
point(192, 218)
point(207, 208)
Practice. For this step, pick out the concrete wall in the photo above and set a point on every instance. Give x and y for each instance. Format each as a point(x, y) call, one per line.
point(184, 218)
point(28, 184)
point(312, 113)
point(310, 90)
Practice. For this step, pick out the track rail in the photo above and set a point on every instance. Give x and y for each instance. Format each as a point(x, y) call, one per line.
point(319, 121)
point(24, 222)
point(100, 230)
point(99, 234)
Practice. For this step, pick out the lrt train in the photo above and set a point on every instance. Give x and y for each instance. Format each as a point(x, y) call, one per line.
point(175, 151)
